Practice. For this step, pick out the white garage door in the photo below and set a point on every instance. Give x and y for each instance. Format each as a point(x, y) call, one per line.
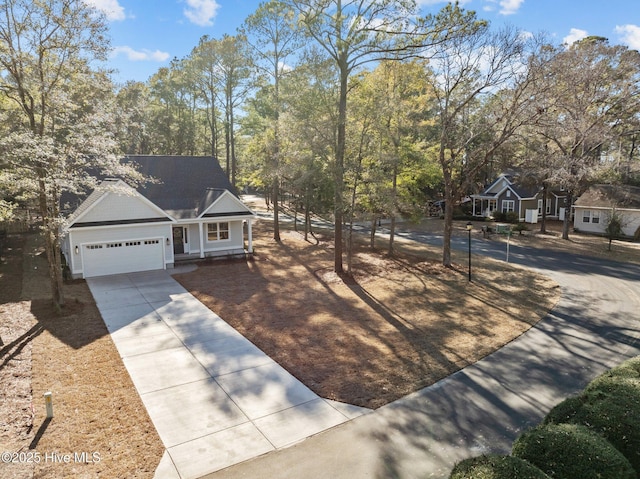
point(100, 259)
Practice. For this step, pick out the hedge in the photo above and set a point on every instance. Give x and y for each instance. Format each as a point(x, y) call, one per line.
point(496, 467)
point(614, 415)
point(571, 451)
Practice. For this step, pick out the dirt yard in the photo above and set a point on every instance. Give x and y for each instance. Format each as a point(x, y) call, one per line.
point(401, 323)
point(100, 424)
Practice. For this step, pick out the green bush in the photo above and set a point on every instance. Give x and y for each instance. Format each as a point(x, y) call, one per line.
point(610, 406)
point(499, 216)
point(512, 217)
point(571, 451)
point(496, 467)
point(520, 227)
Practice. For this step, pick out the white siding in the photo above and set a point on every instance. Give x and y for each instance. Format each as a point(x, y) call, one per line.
point(120, 207)
point(235, 241)
point(83, 236)
point(630, 219)
point(226, 204)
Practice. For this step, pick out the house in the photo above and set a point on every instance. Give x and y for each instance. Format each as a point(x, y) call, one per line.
point(595, 206)
point(191, 211)
point(507, 194)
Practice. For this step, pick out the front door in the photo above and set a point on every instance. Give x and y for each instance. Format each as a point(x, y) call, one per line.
point(178, 240)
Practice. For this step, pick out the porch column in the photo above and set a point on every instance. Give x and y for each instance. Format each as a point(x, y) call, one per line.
point(200, 232)
point(474, 206)
point(249, 236)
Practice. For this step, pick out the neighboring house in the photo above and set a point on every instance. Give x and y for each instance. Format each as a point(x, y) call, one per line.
point(506, 195)
point(192, 211)
point(594, 208)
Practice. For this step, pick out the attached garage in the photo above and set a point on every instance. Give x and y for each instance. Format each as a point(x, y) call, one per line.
point(117, 257)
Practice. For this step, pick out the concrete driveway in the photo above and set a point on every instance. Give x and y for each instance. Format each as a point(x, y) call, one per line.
point(213, 396)
point(484, 407)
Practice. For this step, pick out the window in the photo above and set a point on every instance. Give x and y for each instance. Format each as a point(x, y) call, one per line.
point(539, 207)
point(589, 216)
point(217, 231)
point(508, 205)
point(508, 193)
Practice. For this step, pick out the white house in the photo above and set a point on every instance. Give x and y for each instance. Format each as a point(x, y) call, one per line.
point(192, 211)
point(595, 206)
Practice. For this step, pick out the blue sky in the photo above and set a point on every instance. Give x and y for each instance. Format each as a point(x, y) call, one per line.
point(146, 34)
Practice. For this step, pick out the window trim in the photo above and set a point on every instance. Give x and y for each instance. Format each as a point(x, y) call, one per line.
point(503, 208)
point(222, 231)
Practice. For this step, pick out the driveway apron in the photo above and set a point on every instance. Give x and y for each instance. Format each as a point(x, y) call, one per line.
point(213, 396)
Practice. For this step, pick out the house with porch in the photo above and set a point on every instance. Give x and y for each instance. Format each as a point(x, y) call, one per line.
point(594, 208)
point(190, 211)
point(507, 194)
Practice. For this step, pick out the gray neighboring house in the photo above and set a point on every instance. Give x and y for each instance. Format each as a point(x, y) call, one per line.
point(595, 206)
point(192, 211)
point(506, 194)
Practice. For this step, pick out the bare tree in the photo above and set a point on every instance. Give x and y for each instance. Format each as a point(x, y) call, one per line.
point(592, 97)
point(484, 90)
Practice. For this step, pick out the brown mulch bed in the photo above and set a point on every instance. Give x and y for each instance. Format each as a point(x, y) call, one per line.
point(96, 407)
point(399, 324)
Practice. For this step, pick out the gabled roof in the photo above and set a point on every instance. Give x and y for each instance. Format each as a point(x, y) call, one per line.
point(185, 182)
point(608, 196)
point(111, 185)
point(513, 184)
point(184, 186)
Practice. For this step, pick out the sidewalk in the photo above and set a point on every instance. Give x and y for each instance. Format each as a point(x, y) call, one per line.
point(215, 398)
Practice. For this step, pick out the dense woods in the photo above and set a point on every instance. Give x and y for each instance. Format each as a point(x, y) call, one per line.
point(351, 110)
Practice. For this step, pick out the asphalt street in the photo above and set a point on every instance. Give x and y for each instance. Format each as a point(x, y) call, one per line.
point(485, 406)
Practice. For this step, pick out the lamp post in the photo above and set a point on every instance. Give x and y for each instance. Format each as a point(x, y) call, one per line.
point(469, 228)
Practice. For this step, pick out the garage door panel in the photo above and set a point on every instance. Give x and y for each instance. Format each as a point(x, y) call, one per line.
point(122, 257)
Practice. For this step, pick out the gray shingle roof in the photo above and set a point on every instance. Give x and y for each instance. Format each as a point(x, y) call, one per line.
point(608, 196)
point(188, 184)
point(185, 186)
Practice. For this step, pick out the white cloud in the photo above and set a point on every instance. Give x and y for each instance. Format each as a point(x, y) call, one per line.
point(630, 35)
point(509, 7)
point(140, 55)
point(575, 34)
point(111, 8)
point(201, 12)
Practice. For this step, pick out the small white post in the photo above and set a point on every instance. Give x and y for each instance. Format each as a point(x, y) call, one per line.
point(49, 404)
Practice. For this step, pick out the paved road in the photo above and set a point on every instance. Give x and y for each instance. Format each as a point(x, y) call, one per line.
point(484, 407)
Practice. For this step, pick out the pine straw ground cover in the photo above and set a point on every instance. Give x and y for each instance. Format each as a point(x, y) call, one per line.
point(399, 324)
point(96, 407)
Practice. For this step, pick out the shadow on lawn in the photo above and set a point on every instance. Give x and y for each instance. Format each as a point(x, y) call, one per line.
point(78, 324)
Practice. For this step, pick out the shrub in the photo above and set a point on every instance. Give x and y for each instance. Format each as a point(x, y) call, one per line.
point(520, 227)
point(512, 217)
point(499, 216)
point(496, 467)
point(572, 451)
point(610, 406)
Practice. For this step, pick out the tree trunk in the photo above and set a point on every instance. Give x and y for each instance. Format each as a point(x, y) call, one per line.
point(543, 224)
point(339, 169)
point(276, 209)
point(372, 241)
point(392, 226)
point(51, 247)
point(567, 216)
